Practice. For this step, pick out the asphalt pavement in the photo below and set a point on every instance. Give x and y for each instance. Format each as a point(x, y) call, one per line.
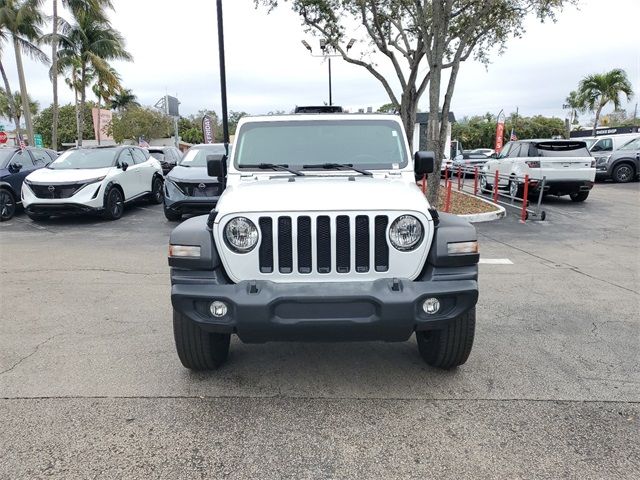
point(91, 387)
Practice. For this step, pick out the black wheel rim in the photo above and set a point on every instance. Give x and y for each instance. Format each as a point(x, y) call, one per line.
point(7, 205)
point(115, 203)
point(157, 189)
point(623, 173)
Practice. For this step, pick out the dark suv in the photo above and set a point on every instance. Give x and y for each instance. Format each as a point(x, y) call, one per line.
point(15, 165)
point(188, 187)
point(167, 156)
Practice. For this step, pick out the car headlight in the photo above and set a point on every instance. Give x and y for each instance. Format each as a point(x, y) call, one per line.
point(602, 159)
point(241, 234)
point(406, 232)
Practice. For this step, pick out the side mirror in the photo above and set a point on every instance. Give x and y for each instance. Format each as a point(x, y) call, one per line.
point(217, 165)
point(424, 162)
point(15, 167)
point(124, 166)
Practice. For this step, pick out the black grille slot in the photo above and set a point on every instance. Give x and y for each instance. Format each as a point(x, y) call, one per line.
point(381, 247)
point(304, 244)
point(323, 239)
point(285, 245)
point(362, 244)
point(56, 191)
point(266, 246)
point(200, 189)
point(343, 244)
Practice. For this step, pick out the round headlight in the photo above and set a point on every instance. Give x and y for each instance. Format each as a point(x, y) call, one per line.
point(406, 232)
point(241, 234)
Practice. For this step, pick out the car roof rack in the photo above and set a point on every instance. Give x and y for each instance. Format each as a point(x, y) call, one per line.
point(319, 109)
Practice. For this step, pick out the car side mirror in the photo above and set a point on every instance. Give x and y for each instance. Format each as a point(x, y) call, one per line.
point(217, 165)
point(124, 166)
point(424, 163)
point(15, 167)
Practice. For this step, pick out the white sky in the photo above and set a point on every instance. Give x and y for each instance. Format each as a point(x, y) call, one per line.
point(174, 45)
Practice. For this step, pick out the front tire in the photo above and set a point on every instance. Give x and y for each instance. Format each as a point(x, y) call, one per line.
point(197, 348)
point(579, 196)
point(449, 347)
point(113, 204)
point(172, 215)
point(623, 173)
point(7, 205)
point(157, 192)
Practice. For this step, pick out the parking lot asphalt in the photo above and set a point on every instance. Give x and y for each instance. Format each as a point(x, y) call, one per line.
point(91, 387)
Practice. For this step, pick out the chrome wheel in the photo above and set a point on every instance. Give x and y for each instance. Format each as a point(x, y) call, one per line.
point(484, 186)
point(513, 188)
point(7, 205)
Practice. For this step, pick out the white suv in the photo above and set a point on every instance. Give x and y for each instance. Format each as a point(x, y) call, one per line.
point(101, 180)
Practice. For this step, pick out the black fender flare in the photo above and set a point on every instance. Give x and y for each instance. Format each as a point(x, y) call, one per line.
point(157, 175)
point(108, 188)
point(630, 160)
point(8, 186)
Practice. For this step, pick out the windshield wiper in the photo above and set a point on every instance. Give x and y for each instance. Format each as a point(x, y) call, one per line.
point(279, 166)
point(339, 166)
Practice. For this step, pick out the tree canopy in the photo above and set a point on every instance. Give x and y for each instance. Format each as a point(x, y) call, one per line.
point(136, 122)
point(67, 128)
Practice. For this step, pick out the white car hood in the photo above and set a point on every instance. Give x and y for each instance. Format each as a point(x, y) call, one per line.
point(50, 176)
point(329, 193)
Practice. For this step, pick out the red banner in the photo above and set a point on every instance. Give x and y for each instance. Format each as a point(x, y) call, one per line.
point(500, 133)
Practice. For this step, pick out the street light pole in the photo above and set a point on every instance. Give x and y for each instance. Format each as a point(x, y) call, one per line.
point(223, 79)
point(324, 47)
point(330, 97)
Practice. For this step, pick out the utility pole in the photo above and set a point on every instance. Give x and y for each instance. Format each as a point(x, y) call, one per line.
point(223, 79)
point(330, 96)
point(326, 53)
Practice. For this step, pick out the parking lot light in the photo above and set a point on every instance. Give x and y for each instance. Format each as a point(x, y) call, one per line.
point(431, 306)
point(218, 309)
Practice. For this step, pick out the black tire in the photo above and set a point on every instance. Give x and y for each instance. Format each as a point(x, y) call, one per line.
point(7, 205)
point(36, 217)
point(197, 348)
point(157, 191)
point(579, 196)
point(113, 204)
point(451, 346)
point(623, 173)
point(172, 215)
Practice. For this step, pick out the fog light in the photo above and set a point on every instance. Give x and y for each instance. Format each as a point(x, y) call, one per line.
point(431, 306)
point(218, 309)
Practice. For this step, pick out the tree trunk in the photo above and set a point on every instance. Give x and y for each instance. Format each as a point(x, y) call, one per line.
point(98, 130)
point(54, 78)
point(408, 109)
point(595, 122)
point(23, 92)
point(10, 98)
point(83, 98)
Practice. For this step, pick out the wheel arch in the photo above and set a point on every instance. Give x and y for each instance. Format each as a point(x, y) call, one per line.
point(111, 185)
point(625, 160)
point(7, 186)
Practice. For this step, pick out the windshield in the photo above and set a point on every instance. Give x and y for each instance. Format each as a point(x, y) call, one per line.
point(197, 157)
point(368, 144)
point(89, 158)
point(589, 142)
point(158, 155)
point(632, 145)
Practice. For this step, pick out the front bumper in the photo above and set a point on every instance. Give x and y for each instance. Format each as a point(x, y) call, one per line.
point(261, 311)
point(60, 209)
point(563, 187)
point(191, 204)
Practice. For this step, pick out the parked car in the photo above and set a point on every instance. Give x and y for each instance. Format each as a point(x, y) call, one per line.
point(487, 152)
point(188, 188)
point(566, 165)
point(99, 179)
point(168, 156)
point(15, 165)
point(623, 165)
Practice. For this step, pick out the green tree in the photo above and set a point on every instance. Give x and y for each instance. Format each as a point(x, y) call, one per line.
point(107, 84)
point(20, 22)
point(388, 108)
point(6, 108)
point(67, 124)
point(599, 89)
point(90, 42)
point(124, 99)
point(95, 7)
point(234, 118)
point(137, 122)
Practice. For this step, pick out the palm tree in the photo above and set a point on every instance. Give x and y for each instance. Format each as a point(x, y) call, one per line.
point(10, 105)
point(599, 89)
point(576, 103)
point(95, 7)
point(20, 20)
point(124, 99)
point(92, 42)
point(107, 84)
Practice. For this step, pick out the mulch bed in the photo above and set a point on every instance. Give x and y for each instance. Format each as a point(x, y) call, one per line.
point(462, 204)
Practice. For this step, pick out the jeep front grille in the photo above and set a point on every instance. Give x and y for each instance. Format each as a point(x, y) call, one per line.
point(314, 241)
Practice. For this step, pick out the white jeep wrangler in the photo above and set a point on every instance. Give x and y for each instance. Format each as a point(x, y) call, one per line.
point(321, 234)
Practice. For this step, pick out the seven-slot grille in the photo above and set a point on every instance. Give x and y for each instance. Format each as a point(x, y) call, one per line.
point(56, 191)
point(199, 189)
point(313, 244)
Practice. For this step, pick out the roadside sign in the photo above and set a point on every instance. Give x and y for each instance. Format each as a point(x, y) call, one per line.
point(3, 137)
point(37, 140)
point(1, 128)
point(207, 129)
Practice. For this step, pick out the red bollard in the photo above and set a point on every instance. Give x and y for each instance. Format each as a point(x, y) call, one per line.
point(495, 186)
point(446, 174)
point(475, 181)
point(447, 198)
point(525, 196)
point(424, 183)
point(459, 177)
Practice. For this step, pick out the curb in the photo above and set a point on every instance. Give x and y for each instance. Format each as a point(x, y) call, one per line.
point(487, 216)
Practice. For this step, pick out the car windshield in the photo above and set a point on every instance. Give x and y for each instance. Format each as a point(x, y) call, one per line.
point(632, 145)
point(88, 158)
point(158, 154)
point(589, 142)
point(197, 157)
point(367, 144)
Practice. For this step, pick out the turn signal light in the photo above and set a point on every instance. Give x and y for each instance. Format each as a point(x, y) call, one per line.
point(184, 251)
point(462, 248)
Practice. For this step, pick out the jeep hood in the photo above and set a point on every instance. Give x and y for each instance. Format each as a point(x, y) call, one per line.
point(322, 194)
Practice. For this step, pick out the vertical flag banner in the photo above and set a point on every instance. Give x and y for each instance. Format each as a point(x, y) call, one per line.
point(500, 132)
point(207, 129)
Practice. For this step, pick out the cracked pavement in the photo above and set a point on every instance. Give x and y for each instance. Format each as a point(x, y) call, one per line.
point(90, 385)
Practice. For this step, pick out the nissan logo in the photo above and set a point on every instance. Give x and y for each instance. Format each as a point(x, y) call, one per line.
point(51, 188)
point(202, 186)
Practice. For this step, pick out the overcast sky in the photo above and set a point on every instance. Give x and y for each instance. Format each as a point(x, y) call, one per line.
point(174, 45)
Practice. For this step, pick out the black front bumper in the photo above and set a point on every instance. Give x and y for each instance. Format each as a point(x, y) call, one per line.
point(563, 187)
point(260, 311)
point(192, 204)
point(60, 209)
